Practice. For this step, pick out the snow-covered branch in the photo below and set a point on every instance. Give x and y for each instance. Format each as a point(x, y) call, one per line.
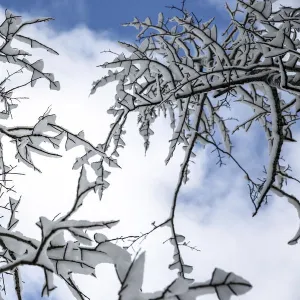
point(182, 68)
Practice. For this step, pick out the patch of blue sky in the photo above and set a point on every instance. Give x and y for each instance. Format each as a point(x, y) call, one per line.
point(109, 15)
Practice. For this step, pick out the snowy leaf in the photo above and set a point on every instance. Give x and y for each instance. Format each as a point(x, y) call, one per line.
point(13, 221)
point(49, 285)
point(80, 236)
point(179, 286)
point(147, 21)
point(160, 20)
point(224, 284)
point(276, 52)
point(33, 43)
point(133, 281)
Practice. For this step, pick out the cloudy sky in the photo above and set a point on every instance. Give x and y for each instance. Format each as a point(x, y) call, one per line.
point(214, 213)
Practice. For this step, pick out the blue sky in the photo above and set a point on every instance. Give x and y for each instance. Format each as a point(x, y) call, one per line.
point(109, 15)
point(215, 209)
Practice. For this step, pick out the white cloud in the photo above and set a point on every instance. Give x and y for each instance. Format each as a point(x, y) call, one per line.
point(292, 3)
point(214, 211)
